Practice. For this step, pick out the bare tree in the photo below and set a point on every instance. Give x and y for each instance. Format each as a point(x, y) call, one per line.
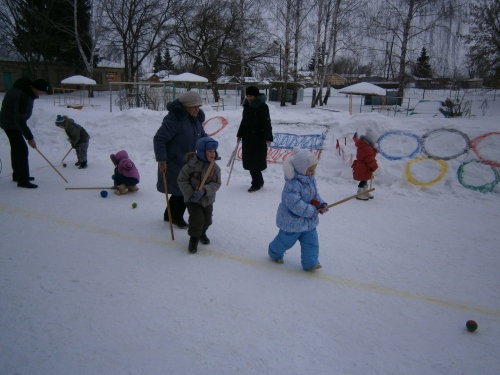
point(213, 38)
point(484, 37)
point(140, 26)
point(317, 51)
point(399, 22)
point(344, 31)
point(22, 27)
point(95, 31)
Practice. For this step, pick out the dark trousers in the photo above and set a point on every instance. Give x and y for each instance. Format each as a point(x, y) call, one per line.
point(363, 184)
point(257, 179)
point(200, 218)
point(18, 156)
point(177, 209)
point(121, 179)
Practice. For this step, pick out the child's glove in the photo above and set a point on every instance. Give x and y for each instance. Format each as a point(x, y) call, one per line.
point(323, 208)
point(197, 195)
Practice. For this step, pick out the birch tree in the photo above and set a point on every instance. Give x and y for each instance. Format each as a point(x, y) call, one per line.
point(404, 21)
point(137, 28)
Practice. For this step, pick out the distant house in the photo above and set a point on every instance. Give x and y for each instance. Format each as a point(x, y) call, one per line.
point(336, 80)
point(150, 77)
point(14, 68)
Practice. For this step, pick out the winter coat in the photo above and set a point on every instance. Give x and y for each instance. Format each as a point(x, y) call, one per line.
point(365, 163)
point(124, 165)
point(255, 130)
point(295, 212)
point(76, 133)
point(17, 107)
point(176, 137)
point(193, 173)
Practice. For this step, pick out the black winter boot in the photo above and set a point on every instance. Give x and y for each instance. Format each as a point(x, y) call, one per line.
point(193, 245)
point(204, 239)
point(83, 165)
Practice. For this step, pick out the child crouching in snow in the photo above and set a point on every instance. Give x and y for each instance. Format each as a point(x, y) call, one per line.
point(77, 136)
point(365, 163)
point(297, 217)
point(199, 202)
point(126, 175)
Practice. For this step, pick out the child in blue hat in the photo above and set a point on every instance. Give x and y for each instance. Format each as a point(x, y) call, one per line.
point(199, 201)
point(77, 136)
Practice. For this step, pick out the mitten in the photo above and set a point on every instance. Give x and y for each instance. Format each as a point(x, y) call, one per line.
point(197, 195)
point(316, 203)
point(323, 208)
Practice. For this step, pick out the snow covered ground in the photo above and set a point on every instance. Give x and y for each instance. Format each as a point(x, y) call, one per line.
point(89, 285)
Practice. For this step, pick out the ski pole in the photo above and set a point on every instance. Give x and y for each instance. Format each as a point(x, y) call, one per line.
point(233, 156)
point(51, 165)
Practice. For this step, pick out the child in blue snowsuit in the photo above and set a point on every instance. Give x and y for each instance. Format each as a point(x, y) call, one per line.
point(297, 217)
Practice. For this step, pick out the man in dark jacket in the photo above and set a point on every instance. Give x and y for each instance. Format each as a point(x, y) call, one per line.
point(177, 135)
point(256, 134)
point(17, 107)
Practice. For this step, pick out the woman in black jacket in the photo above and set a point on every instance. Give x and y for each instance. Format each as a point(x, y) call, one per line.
point(17, 107)
point(256, 134)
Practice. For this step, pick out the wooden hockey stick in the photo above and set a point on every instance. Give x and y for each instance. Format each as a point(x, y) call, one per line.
point(233, 157)
point(349, 198)
point(209, 169)
point(62, 161)
point(51, 165)
point(91, 188)
point(168, 204)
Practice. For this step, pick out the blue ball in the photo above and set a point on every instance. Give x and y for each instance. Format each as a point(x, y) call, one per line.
point(113, 177)
point(104, 193)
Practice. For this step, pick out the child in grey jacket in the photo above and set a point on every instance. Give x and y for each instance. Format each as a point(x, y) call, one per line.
point(77, 136)
point(200, 199)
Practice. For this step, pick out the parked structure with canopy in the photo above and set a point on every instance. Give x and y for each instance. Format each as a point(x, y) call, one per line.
point(73, 97)
point(362, 88)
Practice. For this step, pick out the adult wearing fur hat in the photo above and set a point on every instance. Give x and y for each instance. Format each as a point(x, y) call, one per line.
point(17, 107)
point(366, 162)
point(256, 134)
point(177, 135)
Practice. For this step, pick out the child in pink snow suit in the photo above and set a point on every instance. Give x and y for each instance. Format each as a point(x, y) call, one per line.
point(297, 216)
point(365, 163)
point(126, 175)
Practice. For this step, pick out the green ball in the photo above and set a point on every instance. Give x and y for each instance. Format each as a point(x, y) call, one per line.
point(134, 205)
point(471, 325)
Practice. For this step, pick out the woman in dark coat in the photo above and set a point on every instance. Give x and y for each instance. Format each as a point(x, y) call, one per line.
point(17, 107)
point(177, 135)
point(256, 134)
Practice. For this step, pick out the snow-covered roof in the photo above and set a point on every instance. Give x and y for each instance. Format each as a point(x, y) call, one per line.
point(78, 80)
point(185, 77)
point(363, 88)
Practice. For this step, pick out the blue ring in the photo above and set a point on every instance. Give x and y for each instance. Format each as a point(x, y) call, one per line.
point(397, 132)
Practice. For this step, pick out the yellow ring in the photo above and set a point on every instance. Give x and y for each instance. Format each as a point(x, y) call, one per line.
point(411, 179)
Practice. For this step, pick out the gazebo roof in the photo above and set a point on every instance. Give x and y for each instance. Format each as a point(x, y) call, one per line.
point(185, 77)
point(363, 88)
point(78, 80)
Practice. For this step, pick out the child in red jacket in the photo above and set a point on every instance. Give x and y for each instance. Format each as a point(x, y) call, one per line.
point(365, 163)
